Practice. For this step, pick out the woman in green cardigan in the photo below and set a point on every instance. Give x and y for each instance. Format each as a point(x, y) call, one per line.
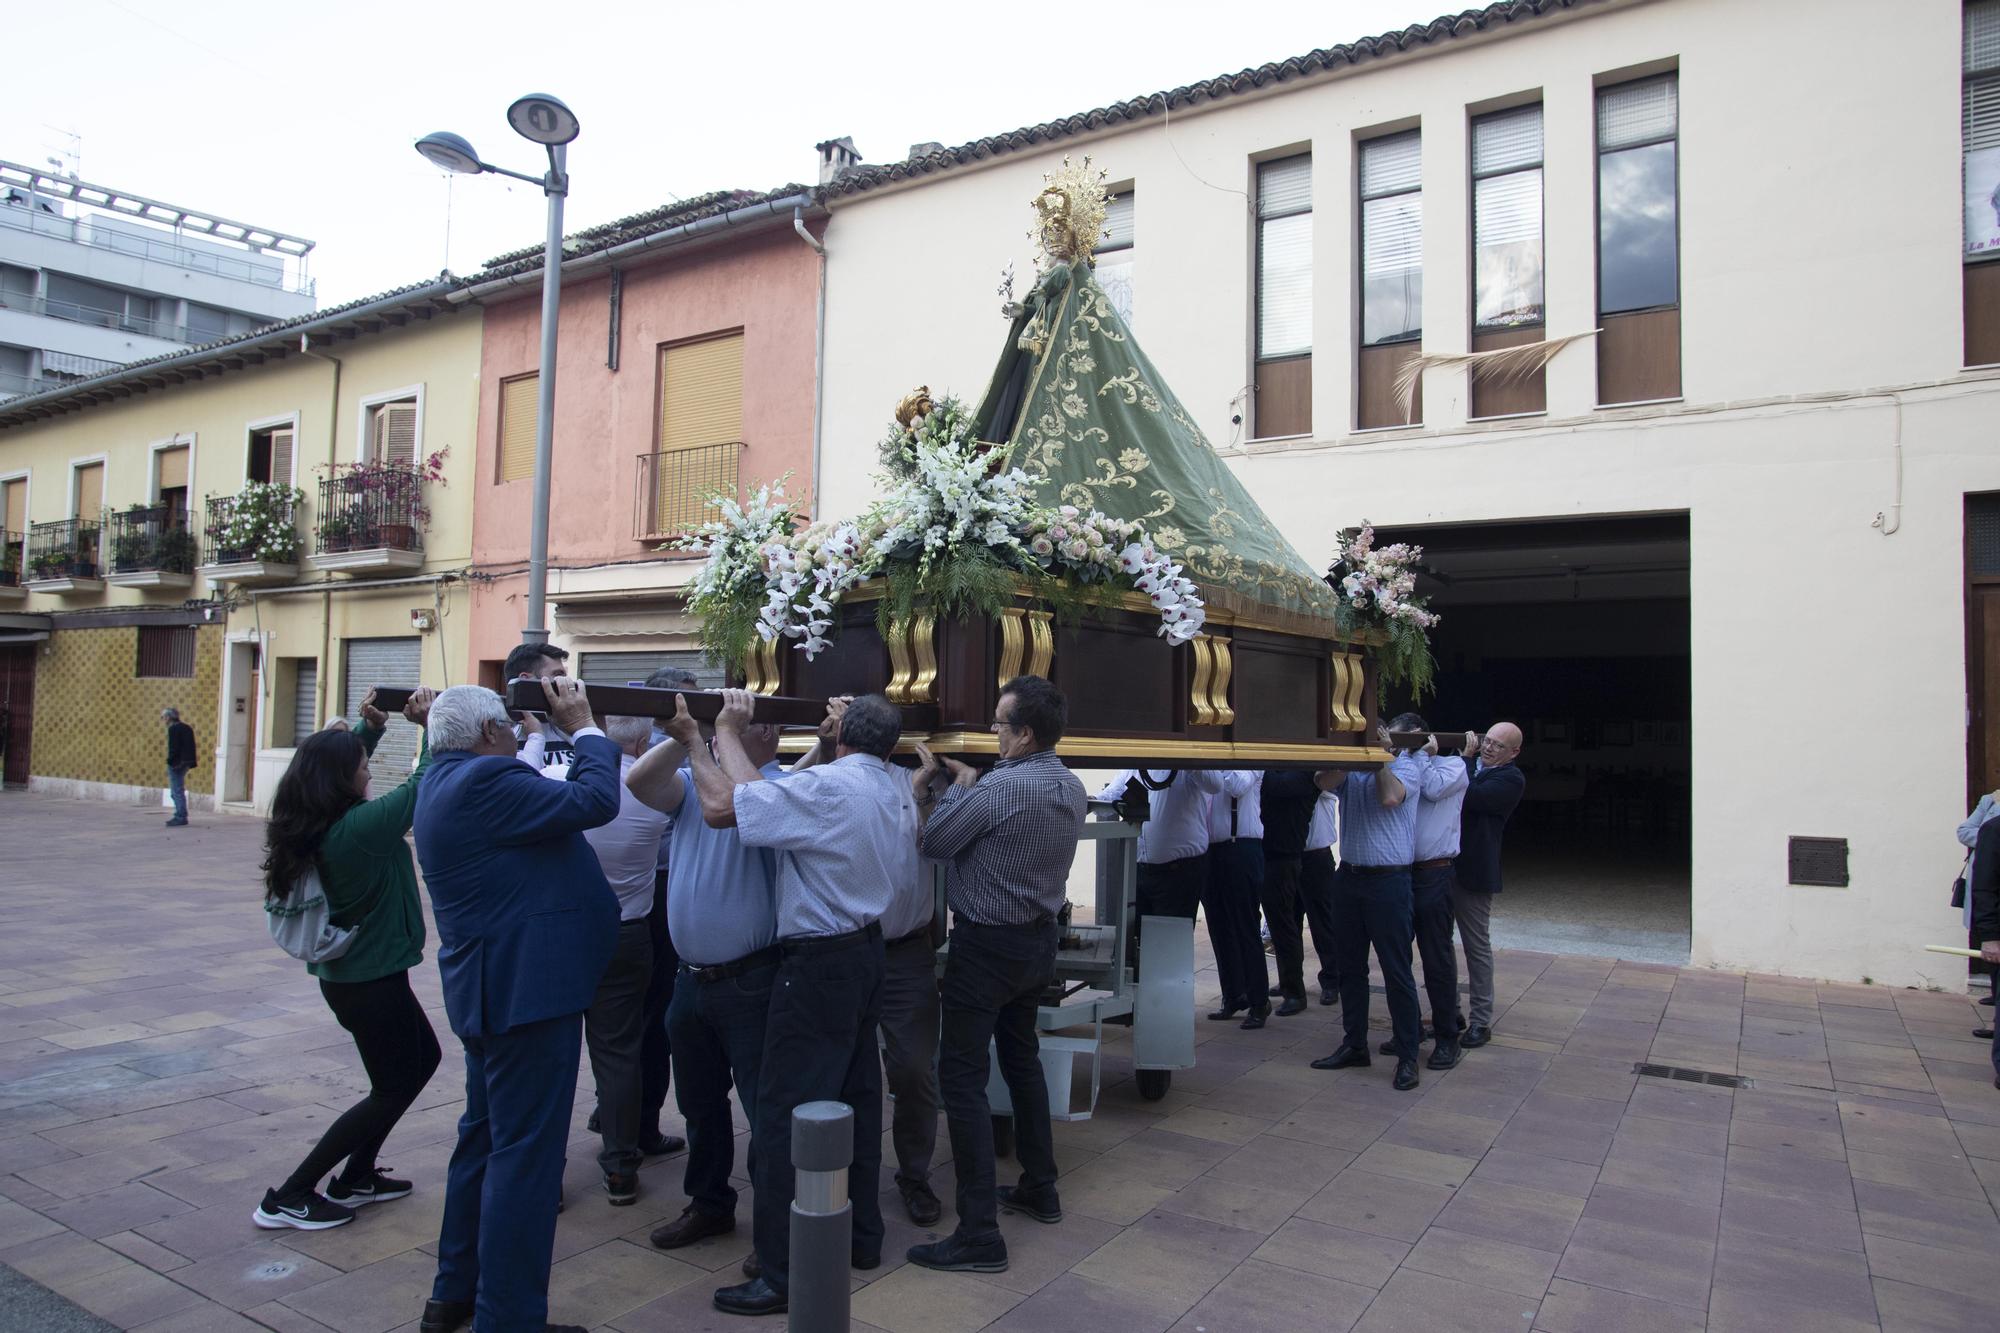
point(322, 819)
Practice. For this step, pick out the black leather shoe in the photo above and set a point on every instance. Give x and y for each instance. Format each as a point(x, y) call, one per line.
point(1044, 1208)
point(1444, 1057)
point(1346, 1057)
point(657, 1144)
point(1327, 997)
point(692, 1225)
point(1275, 992)
point(1255, 1019)
point(952, 1255)
point(920, 1203)
point(444, 1316)
point(1474, 1037)
point(1225, 1014)
point(758, 1297)
point(1406, 1075)
point(1295, 1005)
point(1984, 1034)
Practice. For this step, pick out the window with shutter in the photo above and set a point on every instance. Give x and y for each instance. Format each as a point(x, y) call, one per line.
point(393, 438)
point(273, 455)
point(1981, 147)
point(1507, 254)
point(518, 401)
point(1638, 241)
point(701, 430)
point(1390, 189)
point(90, 492)
point(1283, 385)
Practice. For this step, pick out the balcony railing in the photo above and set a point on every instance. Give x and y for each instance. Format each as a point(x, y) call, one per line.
point(103, 318)
point(151, 539)
point(253, 525)
point(161, 249)
point(68, 549)
point(677, 488)
point(369, 508)
point(10, 559)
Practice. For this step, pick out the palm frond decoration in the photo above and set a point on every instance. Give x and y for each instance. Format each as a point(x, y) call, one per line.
point(1502, 366)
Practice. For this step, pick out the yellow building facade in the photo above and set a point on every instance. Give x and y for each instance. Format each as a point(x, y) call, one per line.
point(252, 532)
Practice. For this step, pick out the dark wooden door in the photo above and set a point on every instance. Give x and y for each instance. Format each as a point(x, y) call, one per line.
point(1982, 687)
point(17, 704)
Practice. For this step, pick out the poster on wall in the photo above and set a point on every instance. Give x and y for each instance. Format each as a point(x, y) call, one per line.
point(1982, 201)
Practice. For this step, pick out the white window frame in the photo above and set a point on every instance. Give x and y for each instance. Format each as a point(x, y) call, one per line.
point(250, 428)
point(153, 452)
point(368, 404)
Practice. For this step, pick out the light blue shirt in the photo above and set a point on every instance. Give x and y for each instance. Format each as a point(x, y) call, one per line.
point(722, 898)
point(1371, 835)
point(846, 838)
point(1445, 782)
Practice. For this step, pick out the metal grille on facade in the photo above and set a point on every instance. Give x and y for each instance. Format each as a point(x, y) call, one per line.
point(624, 668)
point(370, 662)
point(305, 701)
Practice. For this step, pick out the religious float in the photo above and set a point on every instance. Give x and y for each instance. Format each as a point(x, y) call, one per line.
point(1079, 526)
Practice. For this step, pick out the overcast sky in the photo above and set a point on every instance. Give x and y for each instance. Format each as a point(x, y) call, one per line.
point(301, 117)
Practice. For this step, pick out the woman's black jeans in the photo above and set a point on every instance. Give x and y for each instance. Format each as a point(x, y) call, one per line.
point(400, 1052)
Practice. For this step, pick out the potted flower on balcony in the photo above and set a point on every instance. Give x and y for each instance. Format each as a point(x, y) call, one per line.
point(336, 532)
point(10, 564)
point(384, 501)
point(48, 564)
point(258, 524)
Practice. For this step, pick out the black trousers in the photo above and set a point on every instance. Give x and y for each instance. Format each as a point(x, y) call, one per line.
point(613, 1032)
point(1316, 875)
point(819, 1045)
point(1430, 894)
point(1229, 901)
point(1171, 888)
point(400, 1052)
point(657, 1048)
point(993, 980)
point(1281, 909)
point(1374, 908)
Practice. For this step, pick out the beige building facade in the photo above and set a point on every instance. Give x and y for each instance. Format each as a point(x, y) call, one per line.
point(1720, 555)
point(357, 578)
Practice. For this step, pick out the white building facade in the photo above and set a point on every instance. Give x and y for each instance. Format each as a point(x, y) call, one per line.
point(1743, 520)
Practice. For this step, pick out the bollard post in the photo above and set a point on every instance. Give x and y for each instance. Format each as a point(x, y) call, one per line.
point(822, 1218)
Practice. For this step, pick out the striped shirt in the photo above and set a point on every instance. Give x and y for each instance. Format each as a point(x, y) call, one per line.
point(1009, 840)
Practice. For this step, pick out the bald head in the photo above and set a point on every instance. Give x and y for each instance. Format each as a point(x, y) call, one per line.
point(1501, 745)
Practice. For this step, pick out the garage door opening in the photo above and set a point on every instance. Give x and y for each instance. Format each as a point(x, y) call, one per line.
point(1578, 630)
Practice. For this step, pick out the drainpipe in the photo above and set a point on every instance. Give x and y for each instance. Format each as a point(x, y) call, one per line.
point(326, 600)
point(819, 346)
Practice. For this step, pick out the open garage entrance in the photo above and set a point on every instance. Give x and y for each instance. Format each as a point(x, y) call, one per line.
point(1577, 629)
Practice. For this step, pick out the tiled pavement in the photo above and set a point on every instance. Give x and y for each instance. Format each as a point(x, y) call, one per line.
point(160, 1063)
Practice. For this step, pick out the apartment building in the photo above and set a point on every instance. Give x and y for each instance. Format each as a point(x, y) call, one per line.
point(92, 277)
point(1726, 544)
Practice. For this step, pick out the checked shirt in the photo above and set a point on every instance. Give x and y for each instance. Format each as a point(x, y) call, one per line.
point(1009, 840)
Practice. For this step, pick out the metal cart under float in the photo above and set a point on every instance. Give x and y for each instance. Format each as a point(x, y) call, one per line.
point(1097, 982)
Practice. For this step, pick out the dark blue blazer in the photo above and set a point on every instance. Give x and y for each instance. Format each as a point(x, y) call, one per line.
point(526, 921)
point(1489, 802)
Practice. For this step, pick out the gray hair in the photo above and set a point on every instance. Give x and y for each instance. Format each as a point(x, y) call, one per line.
point(170, 714)
point(628, 731)
point(872, 725)
point(459, 716)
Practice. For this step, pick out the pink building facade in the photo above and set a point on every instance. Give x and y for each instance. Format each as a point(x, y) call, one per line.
point(686, 364)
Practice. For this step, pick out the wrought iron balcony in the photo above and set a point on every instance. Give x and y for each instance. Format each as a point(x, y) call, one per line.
point(251, 536)
point(678, 489)
point(151, 540)
point(66, 556)
point(11, 544)
point(371, 516)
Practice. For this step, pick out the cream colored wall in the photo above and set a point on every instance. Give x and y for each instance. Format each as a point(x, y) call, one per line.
point(1819, 260)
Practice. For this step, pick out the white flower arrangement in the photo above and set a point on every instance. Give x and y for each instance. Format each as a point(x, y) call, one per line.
point(259, 522)
point(946, 499)
point(1377, 590)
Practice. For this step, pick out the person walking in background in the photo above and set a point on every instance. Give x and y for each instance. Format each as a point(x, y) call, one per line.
point(180, 758)
point(321, 821)
point(1492, 792)
point(526, 925)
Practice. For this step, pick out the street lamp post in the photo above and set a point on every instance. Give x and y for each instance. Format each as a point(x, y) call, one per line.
point(540, 119)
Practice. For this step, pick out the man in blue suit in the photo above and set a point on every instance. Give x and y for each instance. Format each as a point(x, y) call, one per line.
point(526, 924)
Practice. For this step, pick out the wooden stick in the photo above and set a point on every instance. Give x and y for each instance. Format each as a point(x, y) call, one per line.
point(1953, 950)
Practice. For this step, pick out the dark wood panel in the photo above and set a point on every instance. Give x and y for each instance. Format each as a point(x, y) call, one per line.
point(1495, 398)
point(1120, 678)
point(1284, 398)
point(1982, 314)
point(1639, 357)
point(1377, 403)
point(1276, 694)
point(1982, 679)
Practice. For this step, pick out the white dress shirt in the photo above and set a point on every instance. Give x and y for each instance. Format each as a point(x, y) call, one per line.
point(1443, 792)
point(1178, 827)
point(1324, 830)
point(1241, 794)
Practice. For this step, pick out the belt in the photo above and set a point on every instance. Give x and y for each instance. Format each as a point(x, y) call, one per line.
point(1434, 863)
point(810, 944)
point(1374, 870)
point(921, 933)
point(764, 957)
point(1039, 923)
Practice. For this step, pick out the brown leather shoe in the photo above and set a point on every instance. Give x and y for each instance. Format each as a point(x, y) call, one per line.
point(692, 1225)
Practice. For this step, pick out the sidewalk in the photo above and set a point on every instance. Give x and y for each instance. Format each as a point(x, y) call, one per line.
point(161, 1063)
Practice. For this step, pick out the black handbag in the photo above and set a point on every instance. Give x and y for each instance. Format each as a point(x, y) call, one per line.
point(1958, 892)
